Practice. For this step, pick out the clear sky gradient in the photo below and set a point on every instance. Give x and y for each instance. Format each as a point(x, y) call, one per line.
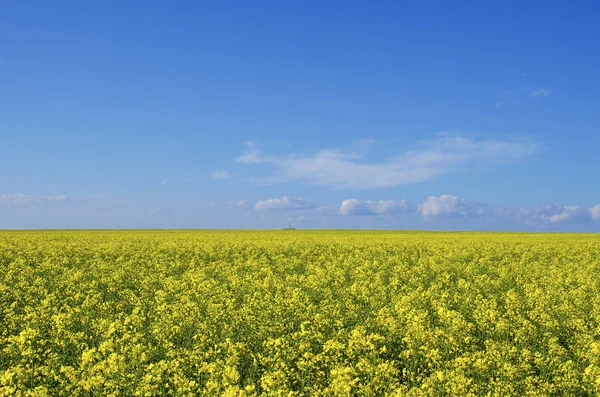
point(193, 114)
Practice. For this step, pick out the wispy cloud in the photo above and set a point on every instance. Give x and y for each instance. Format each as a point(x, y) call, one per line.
point(238, 204)
point(522, 97)
point(154, 210)
point(164, 181)
point(19, 198)
point(427, 161)
point(285, 203)
point(549, 213)
point(220, 174)
point(540, 92)
point(371, 208)
point(252, 155)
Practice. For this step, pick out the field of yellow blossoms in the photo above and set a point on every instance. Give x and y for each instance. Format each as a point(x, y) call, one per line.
point(299, 313)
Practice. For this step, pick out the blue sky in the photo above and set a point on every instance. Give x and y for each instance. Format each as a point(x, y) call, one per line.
point(427, 115)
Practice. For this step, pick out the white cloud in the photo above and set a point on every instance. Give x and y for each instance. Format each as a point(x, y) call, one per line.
point(31, 198)
point(444, 207)
point(567, 212)
point(220, 174)
point(285, 203)
point(164, 181)
point(431, 159)
point(154, 210)
point(551, 213)
point(369, 207)
point(252, 155)
point(449, 206)
point(540, 92)
point(595, 212)
point(238, 204)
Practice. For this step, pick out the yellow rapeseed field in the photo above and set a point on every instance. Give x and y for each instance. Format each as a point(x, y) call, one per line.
point(298, 313)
